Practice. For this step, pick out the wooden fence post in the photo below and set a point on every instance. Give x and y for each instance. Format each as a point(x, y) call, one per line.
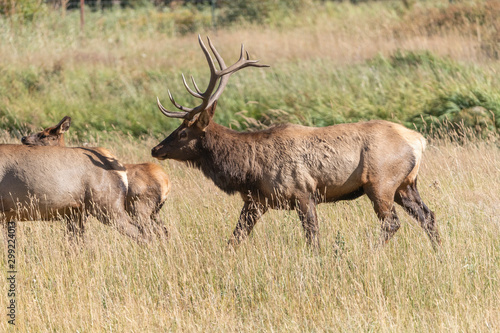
point(82, 18)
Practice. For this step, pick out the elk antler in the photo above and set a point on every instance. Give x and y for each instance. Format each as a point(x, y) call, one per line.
point(207, 97)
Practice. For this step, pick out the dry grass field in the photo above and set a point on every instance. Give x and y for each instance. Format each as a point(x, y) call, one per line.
point(274, 282)
point(192, 282)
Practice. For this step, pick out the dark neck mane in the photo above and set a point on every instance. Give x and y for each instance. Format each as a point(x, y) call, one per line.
point(228, 159)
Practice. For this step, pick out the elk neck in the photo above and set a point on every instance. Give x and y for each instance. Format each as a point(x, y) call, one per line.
point(229, 158)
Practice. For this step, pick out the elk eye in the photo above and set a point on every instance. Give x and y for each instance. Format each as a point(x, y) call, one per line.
point(182, 135)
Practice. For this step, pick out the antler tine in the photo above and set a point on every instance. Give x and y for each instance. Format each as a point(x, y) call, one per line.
point(226, 72)
point(223, 74)
point(208, 56)
point(205, 96)
point(241, 63)
point(170, 113)
point(195, 94)
point(180, 107)
point(195, 85)
point(221, 62)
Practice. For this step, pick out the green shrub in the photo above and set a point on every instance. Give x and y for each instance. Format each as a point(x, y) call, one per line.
point(22, 9)
point(259, 11)
point(476, 110)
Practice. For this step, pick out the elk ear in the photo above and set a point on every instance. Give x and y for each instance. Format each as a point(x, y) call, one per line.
point(211, 109)
point(64, 125)
point(205, 116)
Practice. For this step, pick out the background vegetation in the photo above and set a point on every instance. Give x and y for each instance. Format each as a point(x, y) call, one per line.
point(427, 64)
point(330, 62)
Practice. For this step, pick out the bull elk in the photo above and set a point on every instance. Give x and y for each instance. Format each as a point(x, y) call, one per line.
point(148, 184)
point(45, 183)
point(297, 167)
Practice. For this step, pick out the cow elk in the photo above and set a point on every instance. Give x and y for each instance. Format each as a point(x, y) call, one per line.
point(45, 183)
point(51, 136)
point(297, 167)
point(148, 184)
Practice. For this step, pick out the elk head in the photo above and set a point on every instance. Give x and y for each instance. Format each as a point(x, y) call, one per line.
point(184, 143)
point(51, 136)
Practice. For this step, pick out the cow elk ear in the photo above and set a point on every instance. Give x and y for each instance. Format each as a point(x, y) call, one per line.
point(62, 127)
point(65, 124)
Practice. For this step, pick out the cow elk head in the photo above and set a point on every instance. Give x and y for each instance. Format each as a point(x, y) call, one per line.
point(51, 136)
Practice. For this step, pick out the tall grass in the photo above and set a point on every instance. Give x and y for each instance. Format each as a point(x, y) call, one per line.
point(274, 282)
point(330, 64)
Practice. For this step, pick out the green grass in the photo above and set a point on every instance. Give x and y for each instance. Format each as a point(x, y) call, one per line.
point(108, 76)
point(323, 94)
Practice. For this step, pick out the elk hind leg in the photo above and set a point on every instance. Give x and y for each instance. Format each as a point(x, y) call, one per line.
point(140, 214)
point(408, 197)
point(159, 227)
point(250, 214)
point(386, 213)
point(75, 226)
point(307, 214)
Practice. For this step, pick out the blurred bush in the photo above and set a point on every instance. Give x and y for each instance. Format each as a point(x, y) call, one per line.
point(25, 10)
point(480, 18)
point(474, 110)
point(258, 11)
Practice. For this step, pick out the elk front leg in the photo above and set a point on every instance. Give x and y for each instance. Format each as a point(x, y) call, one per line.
point(250, 213)
point(115, 214)
point(307, 214)
point(126, 226)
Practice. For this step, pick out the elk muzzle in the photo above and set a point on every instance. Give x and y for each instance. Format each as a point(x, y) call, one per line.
point(29, 140)
point(156, 152)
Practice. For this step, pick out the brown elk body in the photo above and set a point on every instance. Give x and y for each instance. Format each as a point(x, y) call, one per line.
point(148, 188)
point(58, 182)
point(297, 167)
point(148, 184)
